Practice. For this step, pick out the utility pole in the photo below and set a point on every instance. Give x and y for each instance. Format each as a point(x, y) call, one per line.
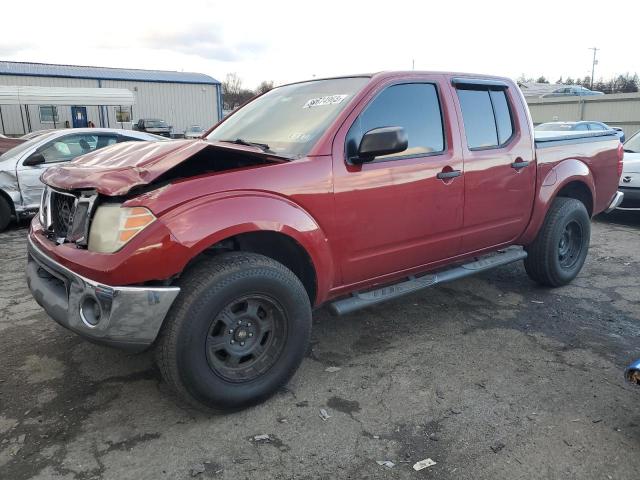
point(593, 65)
point(413, 64)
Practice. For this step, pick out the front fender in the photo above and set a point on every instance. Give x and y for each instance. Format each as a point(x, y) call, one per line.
point(199, 224)
point(549, 185)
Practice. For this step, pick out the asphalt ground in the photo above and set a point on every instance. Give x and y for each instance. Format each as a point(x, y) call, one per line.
point(491, 377)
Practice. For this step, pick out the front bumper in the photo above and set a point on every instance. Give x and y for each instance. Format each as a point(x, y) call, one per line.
point(124, 317)
point(615, 202)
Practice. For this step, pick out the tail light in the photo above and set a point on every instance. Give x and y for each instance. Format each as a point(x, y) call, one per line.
point(620, 159)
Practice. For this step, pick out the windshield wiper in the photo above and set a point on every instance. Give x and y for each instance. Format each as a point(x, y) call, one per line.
point(239, 141)
point(629, 151)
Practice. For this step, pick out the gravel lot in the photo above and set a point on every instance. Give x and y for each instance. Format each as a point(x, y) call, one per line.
point(492, 377)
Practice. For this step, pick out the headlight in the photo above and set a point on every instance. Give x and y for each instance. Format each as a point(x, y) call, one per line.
point(44, 207)
point(113, 226)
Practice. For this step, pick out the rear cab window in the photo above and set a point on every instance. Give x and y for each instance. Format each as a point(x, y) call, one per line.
point(412, 106)
point(487, 115)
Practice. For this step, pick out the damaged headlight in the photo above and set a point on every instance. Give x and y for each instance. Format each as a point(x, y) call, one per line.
point(113, 226)
point(44, 208)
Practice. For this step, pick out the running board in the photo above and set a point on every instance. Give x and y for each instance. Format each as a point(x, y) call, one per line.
point(369, 298)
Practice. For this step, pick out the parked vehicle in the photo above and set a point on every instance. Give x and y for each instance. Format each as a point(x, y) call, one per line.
point(194, 131)
point(347, 191)
point(571, 90)
point(630, 179)
point(153, 125)
point(21, 167)
point(581, 126)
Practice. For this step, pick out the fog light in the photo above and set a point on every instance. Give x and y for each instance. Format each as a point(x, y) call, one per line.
point(90, 311)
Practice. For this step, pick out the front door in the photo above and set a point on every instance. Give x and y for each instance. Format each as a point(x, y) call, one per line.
point(499, 162)
point(394, 214)
point(79, 117)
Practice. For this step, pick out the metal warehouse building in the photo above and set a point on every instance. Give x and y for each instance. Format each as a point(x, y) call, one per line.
point(75, 95)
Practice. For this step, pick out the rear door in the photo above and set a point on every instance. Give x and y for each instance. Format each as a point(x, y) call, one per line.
point(499, 162)
point(393, 214)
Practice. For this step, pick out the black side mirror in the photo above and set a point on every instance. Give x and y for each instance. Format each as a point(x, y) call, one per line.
point(381, 141)
point(34, 159)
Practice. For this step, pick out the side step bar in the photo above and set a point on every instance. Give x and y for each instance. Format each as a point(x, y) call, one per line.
point(369, 298)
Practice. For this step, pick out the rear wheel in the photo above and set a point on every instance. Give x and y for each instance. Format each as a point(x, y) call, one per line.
point(558, 253)
point(5, 214)
point(237, 332)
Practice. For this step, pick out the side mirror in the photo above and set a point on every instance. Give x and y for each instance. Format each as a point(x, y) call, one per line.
point(34, 159)
point(381, 141)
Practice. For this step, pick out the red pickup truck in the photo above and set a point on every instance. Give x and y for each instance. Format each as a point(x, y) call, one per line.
point(344, 191)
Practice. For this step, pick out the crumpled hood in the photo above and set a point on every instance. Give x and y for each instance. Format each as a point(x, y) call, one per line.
point(115, 170)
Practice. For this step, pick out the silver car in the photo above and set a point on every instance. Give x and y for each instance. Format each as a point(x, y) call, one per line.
point(194, 131)
point(570, 91)
point(21, 166)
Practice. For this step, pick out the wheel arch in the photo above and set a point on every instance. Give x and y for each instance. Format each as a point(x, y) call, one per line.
point(570, 178)
point(257, 223)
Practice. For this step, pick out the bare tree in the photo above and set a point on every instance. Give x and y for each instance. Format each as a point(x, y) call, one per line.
point(233, 95)
point(264, 87)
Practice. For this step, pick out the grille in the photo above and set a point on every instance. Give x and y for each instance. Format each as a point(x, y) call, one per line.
point(63, 208)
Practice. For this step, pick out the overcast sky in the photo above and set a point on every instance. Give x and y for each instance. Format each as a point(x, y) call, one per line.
point(295, 40)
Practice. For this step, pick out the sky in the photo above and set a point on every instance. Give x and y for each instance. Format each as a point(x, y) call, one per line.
point(284, 41)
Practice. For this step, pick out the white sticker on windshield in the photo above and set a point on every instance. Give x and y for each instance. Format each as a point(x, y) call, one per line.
point(326, 100)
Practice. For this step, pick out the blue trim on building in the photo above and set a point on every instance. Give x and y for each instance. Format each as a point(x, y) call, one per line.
point(103, 73)
point(219, 95)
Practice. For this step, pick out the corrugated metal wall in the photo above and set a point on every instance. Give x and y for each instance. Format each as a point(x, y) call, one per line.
point(618, 110)
point(180, 104)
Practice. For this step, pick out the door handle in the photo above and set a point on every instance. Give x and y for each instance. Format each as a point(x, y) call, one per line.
point(450, 174)
point(519, 163)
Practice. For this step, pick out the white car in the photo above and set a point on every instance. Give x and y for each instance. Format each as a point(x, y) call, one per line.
point(22, 165)
point(630, 179)
point(194, 131)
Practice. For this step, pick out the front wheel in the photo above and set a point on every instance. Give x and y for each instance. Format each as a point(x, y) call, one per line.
point(237, 332)
point(558, 253)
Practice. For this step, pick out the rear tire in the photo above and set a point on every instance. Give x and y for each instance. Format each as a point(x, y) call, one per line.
point(558, 253)
point(5, 214)
point(236, 333)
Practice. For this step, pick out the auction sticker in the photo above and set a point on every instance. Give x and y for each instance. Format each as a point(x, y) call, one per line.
point(326, 100)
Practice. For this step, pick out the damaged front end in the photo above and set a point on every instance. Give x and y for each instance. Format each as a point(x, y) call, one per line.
point(85, 201)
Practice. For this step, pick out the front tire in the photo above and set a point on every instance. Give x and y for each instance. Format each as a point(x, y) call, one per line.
point(236, 333)
point(558, 253)
point(5, 214)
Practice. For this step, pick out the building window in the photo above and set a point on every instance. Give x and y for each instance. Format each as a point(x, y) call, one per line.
point(123, 114)
point(48, 114)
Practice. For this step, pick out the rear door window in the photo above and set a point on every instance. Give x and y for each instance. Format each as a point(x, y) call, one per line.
point(488, 122)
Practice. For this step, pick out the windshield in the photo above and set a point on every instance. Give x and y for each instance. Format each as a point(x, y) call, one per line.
point(290, 119)
point(633, 144)
point(555, 127)
point(194, 128)
point(155, 123)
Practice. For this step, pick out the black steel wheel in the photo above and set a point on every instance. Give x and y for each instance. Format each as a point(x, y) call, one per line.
point(246, 338)
point(236, 333)
point(560, 249)
point(570, 245)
